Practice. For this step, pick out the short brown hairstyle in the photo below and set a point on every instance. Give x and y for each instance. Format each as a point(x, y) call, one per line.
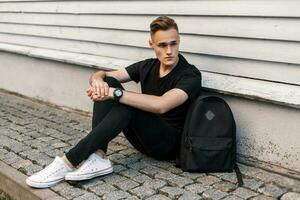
point(162, 23)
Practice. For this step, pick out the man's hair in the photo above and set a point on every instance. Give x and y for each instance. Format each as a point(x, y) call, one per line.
point(162, 23)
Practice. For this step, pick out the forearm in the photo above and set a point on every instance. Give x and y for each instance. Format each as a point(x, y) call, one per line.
point(97, 75)
point(149, 103)
point(121, 75)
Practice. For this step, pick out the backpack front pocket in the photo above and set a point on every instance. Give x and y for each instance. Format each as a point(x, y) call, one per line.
point(209, 154)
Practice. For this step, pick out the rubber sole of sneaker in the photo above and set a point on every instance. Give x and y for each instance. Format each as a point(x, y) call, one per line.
point(43, 185)
point(88, 176)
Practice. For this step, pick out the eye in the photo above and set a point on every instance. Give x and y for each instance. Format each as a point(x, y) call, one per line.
point(173, 43)
point(162, 45)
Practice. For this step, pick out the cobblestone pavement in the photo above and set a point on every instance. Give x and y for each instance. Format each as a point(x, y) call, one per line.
point(33, 133)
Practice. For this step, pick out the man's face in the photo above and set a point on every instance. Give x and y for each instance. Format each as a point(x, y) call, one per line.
point(166, 46)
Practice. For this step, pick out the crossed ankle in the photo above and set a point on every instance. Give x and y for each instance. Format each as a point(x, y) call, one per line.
point(101, 153)
point(67, 162)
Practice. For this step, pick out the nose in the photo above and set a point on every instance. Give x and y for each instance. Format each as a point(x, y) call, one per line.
point(169, 49)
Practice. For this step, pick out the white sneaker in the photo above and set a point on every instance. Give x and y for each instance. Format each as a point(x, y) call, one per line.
point(51, 175)
point(94, 166)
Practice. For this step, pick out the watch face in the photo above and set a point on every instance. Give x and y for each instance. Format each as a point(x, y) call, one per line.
point(118, 93)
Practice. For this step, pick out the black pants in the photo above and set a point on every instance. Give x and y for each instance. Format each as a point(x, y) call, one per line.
point(146, 131)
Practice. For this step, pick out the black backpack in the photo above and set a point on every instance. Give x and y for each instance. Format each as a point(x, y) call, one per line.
point(208, 142)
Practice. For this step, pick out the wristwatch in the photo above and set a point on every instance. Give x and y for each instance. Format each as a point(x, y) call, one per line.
point(118, 93)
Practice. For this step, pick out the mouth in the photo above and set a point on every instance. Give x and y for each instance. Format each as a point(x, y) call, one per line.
point(168, 58)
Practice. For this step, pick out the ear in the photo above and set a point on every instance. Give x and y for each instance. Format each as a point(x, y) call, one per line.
point(150, 43)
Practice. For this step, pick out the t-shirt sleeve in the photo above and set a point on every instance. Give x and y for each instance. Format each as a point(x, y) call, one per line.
point(190, 83)
point(134, 70)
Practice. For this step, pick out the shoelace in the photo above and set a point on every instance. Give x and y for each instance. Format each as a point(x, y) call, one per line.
point(89, 161)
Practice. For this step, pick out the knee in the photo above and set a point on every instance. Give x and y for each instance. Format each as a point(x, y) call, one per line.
point(112, 82)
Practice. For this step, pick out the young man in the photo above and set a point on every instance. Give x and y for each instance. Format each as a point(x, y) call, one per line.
point(152, 121)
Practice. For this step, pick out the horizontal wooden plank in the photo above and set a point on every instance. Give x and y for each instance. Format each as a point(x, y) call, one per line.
point(8, 1)
point(238, 67)
point(117, 51)
point(256, 89)
point(288, 8)
point(264, 50)
point(102, 62)
point(275, 51)
point(269, 91)
point(247, 68)
point(21, 0)
point(246, 27)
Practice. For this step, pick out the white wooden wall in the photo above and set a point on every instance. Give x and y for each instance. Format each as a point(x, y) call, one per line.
point(243, 47)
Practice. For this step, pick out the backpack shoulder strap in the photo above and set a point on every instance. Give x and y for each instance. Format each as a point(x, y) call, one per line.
point(238, 175)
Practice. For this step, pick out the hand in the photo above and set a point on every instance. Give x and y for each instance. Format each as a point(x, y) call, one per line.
point(89, 91)
point(100, 88)
point(96, 97)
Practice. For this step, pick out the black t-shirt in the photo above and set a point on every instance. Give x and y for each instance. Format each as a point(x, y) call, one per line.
point(183, 76)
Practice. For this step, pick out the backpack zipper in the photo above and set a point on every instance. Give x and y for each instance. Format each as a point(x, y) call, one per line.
point(188, 144)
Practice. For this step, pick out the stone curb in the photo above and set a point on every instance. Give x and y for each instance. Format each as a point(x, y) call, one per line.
point(13, 183)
